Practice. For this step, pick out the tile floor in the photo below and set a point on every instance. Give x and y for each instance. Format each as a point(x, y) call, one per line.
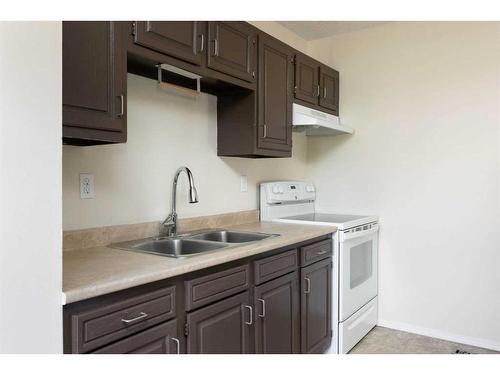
point(390, 341)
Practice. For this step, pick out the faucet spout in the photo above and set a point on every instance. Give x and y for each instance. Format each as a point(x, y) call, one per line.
point(169, 225)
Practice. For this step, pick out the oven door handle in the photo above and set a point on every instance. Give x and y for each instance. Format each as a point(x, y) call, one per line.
point(361, 233)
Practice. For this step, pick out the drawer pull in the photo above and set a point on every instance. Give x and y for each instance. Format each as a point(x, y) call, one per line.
point(177, 343)
point(308, 285)
point(263, 313)
point(142, 315)
point(321, 252)
point(250, 312)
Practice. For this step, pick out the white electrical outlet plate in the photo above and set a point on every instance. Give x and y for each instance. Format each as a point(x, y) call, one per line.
point(243, 184)
point(87, 186)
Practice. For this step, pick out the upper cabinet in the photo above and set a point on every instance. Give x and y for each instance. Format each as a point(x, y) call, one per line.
point(232, 49)
point(316, 85)
point(275, 96)
point(182, 39)
point(94, 83)
point(329, 88)
point(306, 79)
point(255, 76)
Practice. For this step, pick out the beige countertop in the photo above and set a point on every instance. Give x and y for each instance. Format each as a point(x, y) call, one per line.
point(100, 270)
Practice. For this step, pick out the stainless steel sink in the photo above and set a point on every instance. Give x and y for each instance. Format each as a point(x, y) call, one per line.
point(231, 236)
point(192, 243)
point(172, 247)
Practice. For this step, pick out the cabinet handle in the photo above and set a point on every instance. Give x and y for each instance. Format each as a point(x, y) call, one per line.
point(324, 92)
point(177, 344)
point(202, 47)
point(317, 91)
point(250, 311)
point(265, 131)
point(308, 285)
point(321, 252)
point(263, 314)
point(142, 315)
point(216, 47)
point(122, 106)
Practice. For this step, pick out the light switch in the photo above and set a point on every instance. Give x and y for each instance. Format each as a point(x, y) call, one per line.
point(87, 186)
point(243, 184)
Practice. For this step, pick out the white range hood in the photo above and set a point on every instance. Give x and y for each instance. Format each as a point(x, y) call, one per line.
point(314, 122)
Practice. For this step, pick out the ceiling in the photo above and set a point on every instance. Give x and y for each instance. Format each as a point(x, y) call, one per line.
point(311, 30)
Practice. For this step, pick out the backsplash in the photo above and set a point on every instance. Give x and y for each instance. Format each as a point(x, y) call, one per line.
point(93, 237)
point(133, 181)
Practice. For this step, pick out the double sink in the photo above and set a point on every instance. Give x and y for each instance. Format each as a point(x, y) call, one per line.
point(192, 243)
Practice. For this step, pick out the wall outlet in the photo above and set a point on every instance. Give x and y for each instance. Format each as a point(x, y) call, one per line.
point(87, 186)
point(243, 184)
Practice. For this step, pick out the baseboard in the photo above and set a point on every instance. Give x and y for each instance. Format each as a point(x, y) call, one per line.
point(467, 340)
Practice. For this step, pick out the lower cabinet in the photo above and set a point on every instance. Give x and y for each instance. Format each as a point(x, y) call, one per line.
point(221, 328)
point(277, 304)
point(161, 339)
point(277, 322)
point(316, 306)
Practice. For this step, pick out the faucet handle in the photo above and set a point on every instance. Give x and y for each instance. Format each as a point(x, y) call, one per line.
point(169, 225)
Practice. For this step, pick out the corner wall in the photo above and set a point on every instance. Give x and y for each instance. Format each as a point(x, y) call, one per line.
point(30, 187)
point(424, 100)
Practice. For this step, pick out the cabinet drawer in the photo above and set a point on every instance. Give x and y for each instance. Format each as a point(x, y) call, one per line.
point(275, 266)
point(204, 290)
point(316, 251)
point(161, 339)
point(98, 327)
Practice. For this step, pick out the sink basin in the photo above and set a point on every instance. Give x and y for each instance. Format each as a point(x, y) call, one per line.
point(173, 247)
point(192, 244)
point(231, 236)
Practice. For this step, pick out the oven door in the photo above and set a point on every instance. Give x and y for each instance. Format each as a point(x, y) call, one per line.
point(358, 268)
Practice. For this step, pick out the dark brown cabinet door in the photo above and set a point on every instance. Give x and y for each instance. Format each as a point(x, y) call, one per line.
point(306, 79)
point(329, 88)
point(185, 40)
point(162, 339)
point(221, 328)
point(316, 309)
point(232, 49)
point(277, 323)
point(275, 95)
point(94, 82)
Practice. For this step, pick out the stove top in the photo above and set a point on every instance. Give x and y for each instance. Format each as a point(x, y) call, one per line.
point(325, 218)
point(341, 221)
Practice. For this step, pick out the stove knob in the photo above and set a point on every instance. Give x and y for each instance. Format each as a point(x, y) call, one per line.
point(275, 189)
point(281, 191)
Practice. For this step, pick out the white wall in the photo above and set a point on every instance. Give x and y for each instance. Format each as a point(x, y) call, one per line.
point(424, 100)
point(30, 187)
point(133, 180)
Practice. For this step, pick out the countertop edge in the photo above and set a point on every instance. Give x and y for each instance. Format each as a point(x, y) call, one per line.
point(84, 293)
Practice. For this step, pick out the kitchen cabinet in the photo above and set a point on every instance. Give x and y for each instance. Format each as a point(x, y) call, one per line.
point(162, 339)
point(277, 322)
point(232, 49)
point(306, 79)
point(259, 124)
point(277, 302)
point(221, 328)
point(275, 96)
point(182, 39)
point(94, 69)
point(255, 76)
point(316, 302)
point(329, 88)
point(316, 85)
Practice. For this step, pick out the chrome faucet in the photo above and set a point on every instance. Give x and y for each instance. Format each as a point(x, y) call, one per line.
point(169, 225)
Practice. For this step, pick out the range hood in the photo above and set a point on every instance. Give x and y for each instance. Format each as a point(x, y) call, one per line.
point(314, 122)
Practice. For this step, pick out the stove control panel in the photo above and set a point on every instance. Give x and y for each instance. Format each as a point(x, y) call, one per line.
point(287, 192)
